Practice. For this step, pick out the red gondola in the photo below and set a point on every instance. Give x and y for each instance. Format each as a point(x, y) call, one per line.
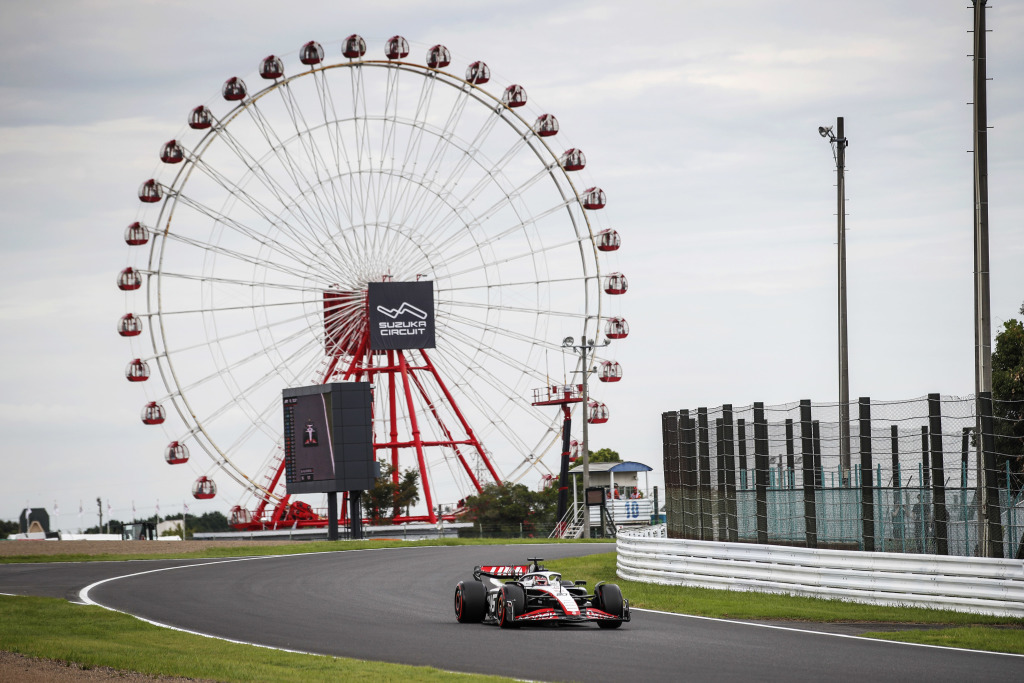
point(200, 118)
point(176, 453)
point(616, 284)
point(397, 47)
point(136, 234)
point(171, 152)
point(137, 370)
point(616, 328)
point(608, 240)
point(129, 279)
point(478, 73)
point(239, 515)
point(271, 68)
point(597, 413)
point(129, 325)
point(514, 96)
point(149, 192)
point(311, 53)
point(572, 159)
point(354, 46)
point(233, 89)
point(153, 413)
point(610, 371)
point(438, 57)
point(594, 198)
point(574, 450)
point(204, 488)
point(546, 125)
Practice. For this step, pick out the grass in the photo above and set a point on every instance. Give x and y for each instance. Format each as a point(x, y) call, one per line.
point(971, 631)
point(92, 637)
point(298, 547)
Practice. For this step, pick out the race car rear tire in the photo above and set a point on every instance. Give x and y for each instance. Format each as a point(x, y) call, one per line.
point(470, 602)
point(609, 599)
point(514, 594)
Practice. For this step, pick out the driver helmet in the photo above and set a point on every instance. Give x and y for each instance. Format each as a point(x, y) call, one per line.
point(541, 581)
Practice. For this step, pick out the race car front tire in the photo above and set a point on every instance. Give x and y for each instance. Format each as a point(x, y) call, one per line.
point(470, 602)
point(609, 599)
point(514, 594)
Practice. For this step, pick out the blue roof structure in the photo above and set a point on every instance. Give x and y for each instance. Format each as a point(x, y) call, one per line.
point(625, 466)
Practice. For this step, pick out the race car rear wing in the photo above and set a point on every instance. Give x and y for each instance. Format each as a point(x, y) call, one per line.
point(505, 571)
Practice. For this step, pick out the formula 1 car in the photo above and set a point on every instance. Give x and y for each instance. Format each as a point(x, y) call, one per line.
point(512, 595)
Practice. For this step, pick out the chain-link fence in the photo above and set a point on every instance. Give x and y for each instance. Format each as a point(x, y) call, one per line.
point(917, 479)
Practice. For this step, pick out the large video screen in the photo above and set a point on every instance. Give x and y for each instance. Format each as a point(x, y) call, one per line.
point(328, 438)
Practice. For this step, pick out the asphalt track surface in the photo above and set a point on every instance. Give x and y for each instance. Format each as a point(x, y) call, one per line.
point(396, 605)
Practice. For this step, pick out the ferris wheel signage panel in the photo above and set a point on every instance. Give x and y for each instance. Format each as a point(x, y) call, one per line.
point(401, 315)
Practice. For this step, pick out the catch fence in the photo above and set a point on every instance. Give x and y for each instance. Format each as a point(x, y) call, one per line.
point(920, 480)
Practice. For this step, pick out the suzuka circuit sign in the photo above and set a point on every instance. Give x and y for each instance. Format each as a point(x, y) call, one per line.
point(401, 315)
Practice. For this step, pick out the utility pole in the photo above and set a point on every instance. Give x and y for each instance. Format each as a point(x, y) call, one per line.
point(839, 143)
point(982, 318)
point(99, 507)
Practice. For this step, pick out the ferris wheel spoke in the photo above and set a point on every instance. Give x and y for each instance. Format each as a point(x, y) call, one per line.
point(503, 331)
point(492, 172)
point(432, 168)
point(512, 363)
point(295, 170)
point(310, 256)
point(499, 423)
point(234, 254)
point(243, 361)
point(246, 284)
point(260, 171)
point(524, 255)
point(523, 283)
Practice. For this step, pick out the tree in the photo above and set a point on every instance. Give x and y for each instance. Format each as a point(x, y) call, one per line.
point(8, 528)
point(507, 509)
point(1008, 402)
point(605, 455)
point(386, 499)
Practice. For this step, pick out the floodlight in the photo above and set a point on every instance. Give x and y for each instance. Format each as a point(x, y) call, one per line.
point(567, 342)
point(824, 131)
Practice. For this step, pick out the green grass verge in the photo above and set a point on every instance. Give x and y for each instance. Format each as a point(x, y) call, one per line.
point(91, 636)
point(298, 547)
point(968, 637)
point(972, 631)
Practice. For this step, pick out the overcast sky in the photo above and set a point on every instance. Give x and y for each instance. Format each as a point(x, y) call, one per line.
point(699, 119)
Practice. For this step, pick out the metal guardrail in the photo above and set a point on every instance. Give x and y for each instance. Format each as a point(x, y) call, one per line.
point(981, 585)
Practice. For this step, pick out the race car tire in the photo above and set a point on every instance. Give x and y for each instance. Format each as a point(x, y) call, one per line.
point(609, 599)
point(470, 602)
point(514, 594)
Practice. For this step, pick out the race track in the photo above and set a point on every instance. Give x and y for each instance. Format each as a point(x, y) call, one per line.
point(396, 605)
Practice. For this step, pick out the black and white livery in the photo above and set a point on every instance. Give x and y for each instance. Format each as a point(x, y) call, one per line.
point(512, 595)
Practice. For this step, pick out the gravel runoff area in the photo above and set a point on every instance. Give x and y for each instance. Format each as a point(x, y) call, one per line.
point(16, 667)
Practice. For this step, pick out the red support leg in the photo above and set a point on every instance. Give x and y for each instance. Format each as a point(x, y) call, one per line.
point(417, 441)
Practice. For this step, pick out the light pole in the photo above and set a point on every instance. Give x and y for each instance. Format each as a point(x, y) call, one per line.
point(838, 143)
point(585, 348)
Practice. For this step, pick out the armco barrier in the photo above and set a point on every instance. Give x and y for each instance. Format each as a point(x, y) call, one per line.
point(980, 585)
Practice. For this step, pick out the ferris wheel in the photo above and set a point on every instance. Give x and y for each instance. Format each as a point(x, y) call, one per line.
point(273, 211)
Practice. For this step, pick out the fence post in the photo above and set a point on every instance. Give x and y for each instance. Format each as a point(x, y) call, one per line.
point(807, 461)
point(720, 506)
point(732, 528)
point(925, 459)
point(688, 484)
point(761, 475)
point(790, 464)
point(741, 441)
point(670, 458)
point(867, 503)
point(819, 473)
point(965, 444)
point(994, 526)
point(704, 472)
point(938, 475)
